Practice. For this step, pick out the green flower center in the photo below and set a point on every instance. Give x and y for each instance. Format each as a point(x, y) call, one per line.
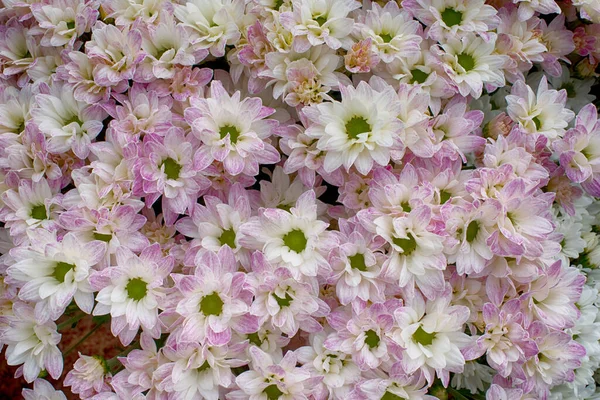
point(472, 231)
point(203, 367)
point(230, 130)
point(283, 301)
point(70, 24)
point(228, 238)
point(171, 167)
point(136, 289)
point(444, 196)
point(357, 261)
point(39, 212)
point(321, 20)
point(74, 118)
point(386, 37)
point(295, 240)
point(408, 245)
point(104, 237)
point(537, 122)
point(356, 126)
point(418, 76)
point(423, 337)
point(272, 392)
point(391, 396)
point(451, 17)
point(466, 61)
point(61, 270)
point(254, 338)
point(371, 338)
point(211, 305)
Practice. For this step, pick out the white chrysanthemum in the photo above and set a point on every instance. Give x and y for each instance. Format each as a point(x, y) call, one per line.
point(578, 90)
point(317, 22)
point(393, 32)
point(470, 62)
point(446, 18)
point(432, 334)
point(53, 273)
point(43, 390)
point(31, 343)
point(543, 112)
point(589, 9)
point(360, 130)
point(295, 238)
point(68, 123)
point(213, 24)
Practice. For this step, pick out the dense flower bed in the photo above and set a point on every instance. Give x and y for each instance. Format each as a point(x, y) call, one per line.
point(301, 199)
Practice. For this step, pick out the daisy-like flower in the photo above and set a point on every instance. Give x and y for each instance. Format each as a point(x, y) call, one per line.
point(356, 264)
point(579, 150)
point(470, 63)
point(234, 132)
point(295, 238)
point(283, 300)
point(87, 377)
point(360, 130)
point(472, 226)
point(32, 205)
point(505, 341)
point(132, 290)
point(115, 53)
point(168, 166)
point(126, 12)
point(212, 24)
point(451, 18)
point(307, 76)
point(363, 331)
point(431, 333)
point(63, 21)
point(336, 368)
point(392, 32)
point(314, 22)
point(552, 297)
point(214, 300)
point(543, 112)
point(31, 343)
point(218, 224)
point(68, 123)
point(191, 370)
point(415, 252)
point(271, 379)
point(53, 273)
point(43, 390)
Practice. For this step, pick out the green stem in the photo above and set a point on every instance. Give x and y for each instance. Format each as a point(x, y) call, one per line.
point(71, 321)
point(87, 335)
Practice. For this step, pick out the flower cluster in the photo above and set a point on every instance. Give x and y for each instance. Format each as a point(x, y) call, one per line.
point(301, 199)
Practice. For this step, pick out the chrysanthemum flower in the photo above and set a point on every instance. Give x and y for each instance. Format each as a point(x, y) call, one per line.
point(68, 123)
point(314, 22)
point(295, 238)
point(87, 377)
point(470, 62)
point(391, 30)
point(214, 301)
point(212, 24)
point(271, 379)
point(63, 21)
point(234, 132)
point(447, 18)
point(52, 273)
point(541, 113)
point(431, 333)
point(31, 343)
point(282, 300)
point(131, 291)
point(415, 256)
point(360, 130)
